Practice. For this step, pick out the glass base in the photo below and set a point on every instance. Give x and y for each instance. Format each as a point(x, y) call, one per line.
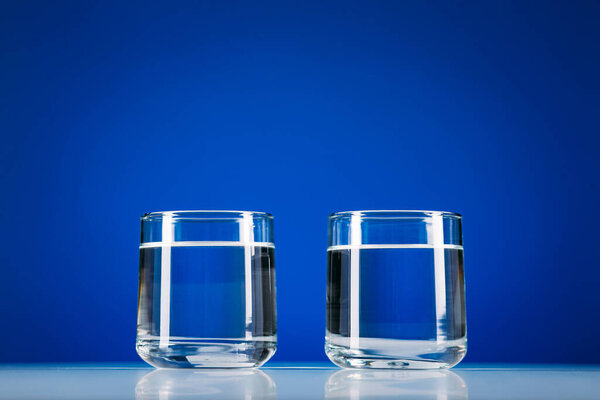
point(206, 353)
point(395, 354)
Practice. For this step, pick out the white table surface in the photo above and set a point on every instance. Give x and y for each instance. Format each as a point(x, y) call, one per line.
point(297, 381)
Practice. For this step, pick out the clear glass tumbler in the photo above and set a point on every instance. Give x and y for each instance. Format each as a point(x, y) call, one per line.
point(395, 290)
point(207, 289)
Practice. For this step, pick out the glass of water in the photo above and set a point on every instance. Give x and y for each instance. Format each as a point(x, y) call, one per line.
point(395, 290)
point(207, 289)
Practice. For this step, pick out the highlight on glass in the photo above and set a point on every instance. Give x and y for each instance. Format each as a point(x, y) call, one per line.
point(395, 290)
point(206, 289)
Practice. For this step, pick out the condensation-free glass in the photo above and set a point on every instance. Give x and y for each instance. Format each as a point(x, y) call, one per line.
point(207, 289)
point(395, 290)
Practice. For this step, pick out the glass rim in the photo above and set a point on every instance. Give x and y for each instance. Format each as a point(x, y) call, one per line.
point(205, 214)
point(395, 214)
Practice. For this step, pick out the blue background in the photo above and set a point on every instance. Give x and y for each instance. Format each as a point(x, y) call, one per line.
point(112, 109)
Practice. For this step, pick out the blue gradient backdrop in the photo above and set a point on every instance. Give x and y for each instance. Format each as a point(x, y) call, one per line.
point(111, 109)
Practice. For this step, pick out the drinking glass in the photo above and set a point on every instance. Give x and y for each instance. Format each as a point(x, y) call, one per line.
point(207, 289)
point(395, 290)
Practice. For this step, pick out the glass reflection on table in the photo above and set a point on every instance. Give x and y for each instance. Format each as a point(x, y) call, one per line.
point(169, 384)
point(364, 384)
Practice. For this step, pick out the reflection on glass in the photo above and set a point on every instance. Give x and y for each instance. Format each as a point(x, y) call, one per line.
point(367, 384)
point(169, 384)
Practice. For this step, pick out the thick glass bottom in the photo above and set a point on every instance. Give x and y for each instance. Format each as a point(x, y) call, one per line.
point(206, 353)
point(394, 353)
